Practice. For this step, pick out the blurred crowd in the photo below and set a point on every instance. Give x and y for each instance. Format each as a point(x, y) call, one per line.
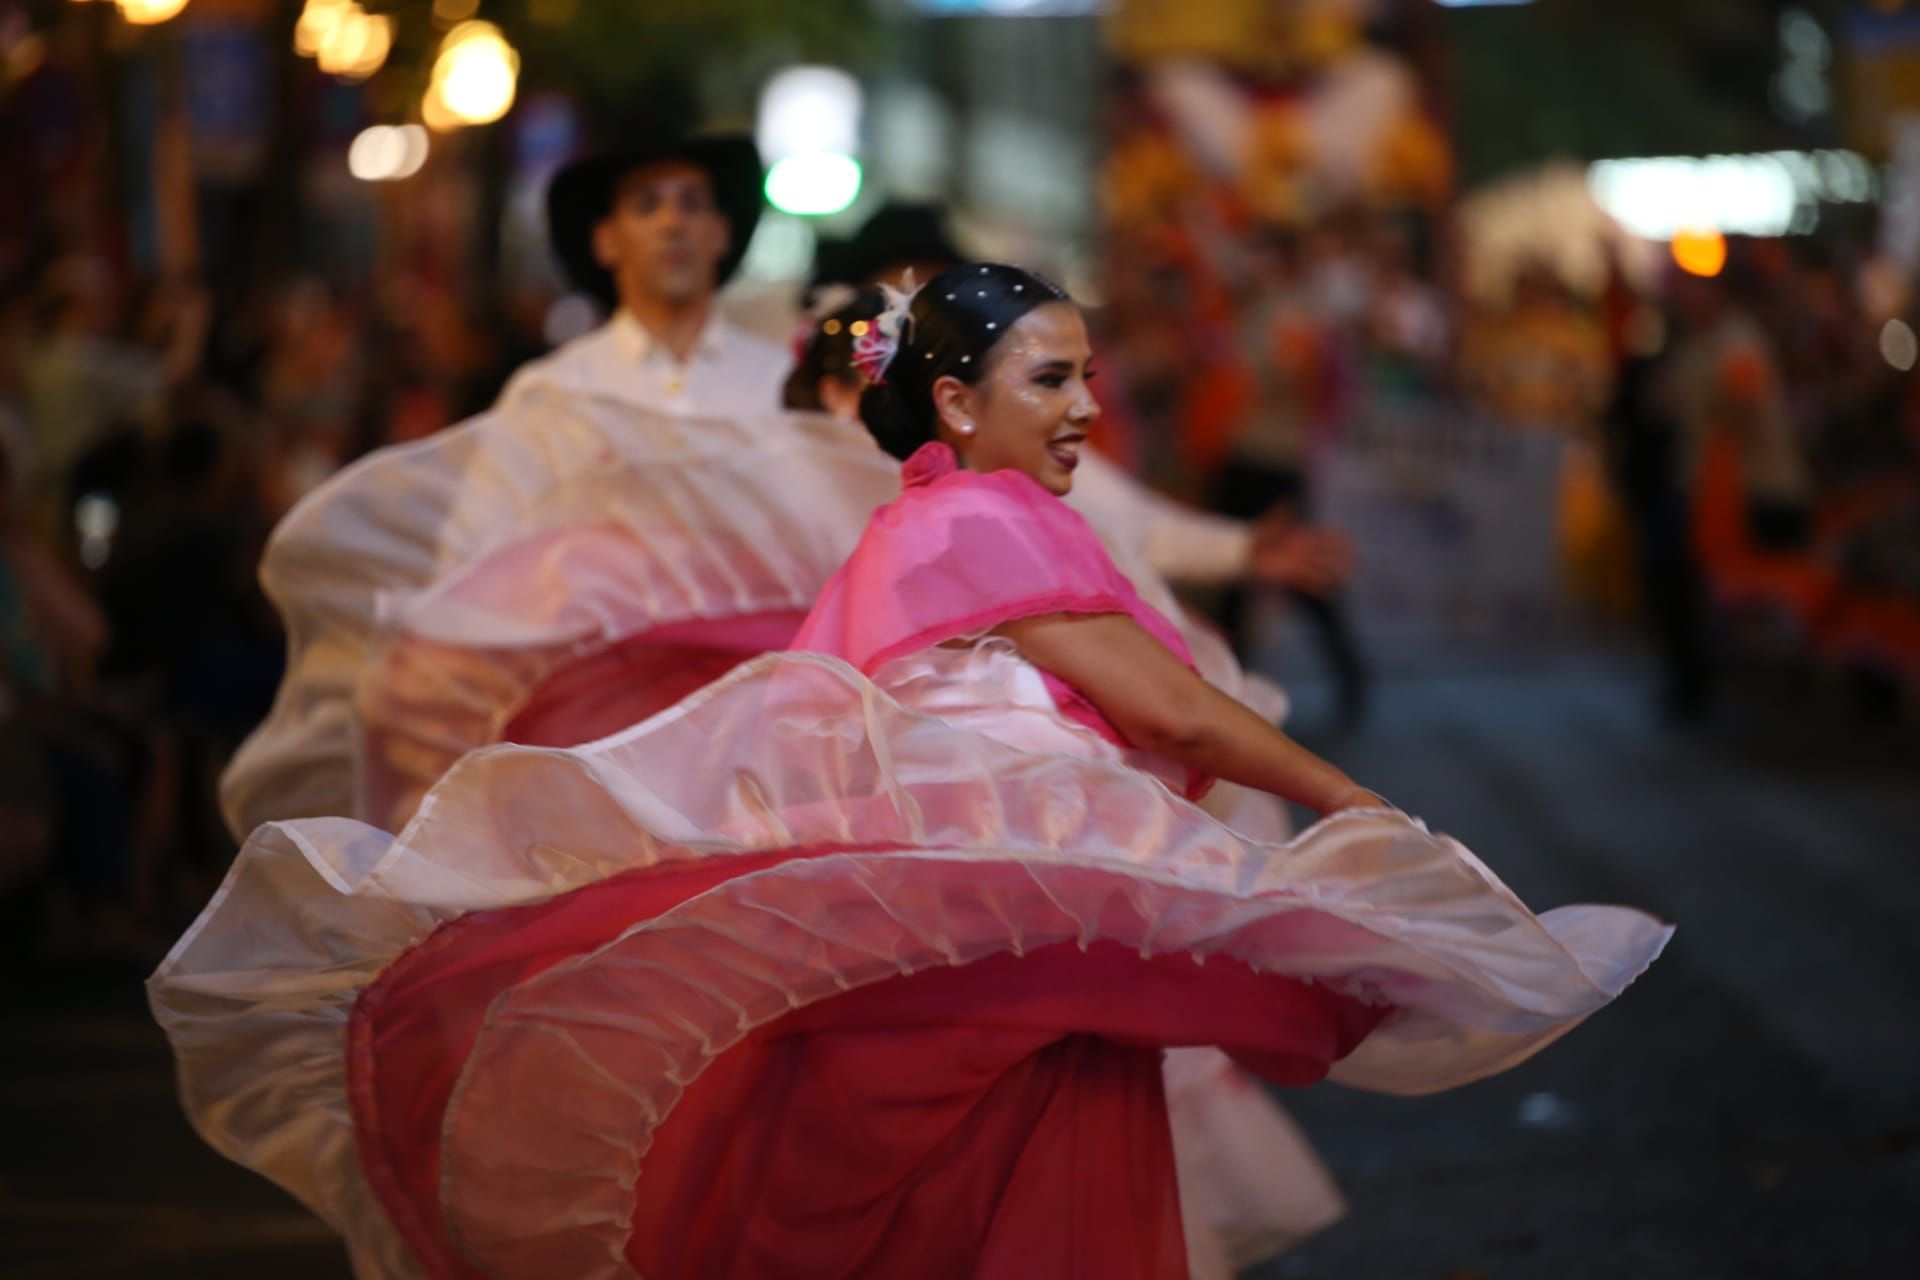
point(1742, 454)
point(149, 440)
point(1741, 449)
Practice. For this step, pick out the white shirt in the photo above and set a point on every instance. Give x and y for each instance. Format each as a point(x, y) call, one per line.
point(733, 374)
point(730, 373)
point(1179, 543)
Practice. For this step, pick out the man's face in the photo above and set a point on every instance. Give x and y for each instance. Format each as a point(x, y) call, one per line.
point(664, 237)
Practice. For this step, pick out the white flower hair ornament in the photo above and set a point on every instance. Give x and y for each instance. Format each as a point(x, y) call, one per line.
point(874, 350)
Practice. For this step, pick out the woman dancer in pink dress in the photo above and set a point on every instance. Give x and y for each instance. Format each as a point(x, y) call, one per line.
point(1251, 1185)
point(859, 961)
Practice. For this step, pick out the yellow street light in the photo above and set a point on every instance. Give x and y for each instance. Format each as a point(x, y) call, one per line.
point(476, 73)
point(147, 13)
point(474, 77)
point(358, 45)
point(316, 25)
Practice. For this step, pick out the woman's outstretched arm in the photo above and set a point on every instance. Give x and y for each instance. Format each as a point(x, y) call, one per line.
point(1160, 705)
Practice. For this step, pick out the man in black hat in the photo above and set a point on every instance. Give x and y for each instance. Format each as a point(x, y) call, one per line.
point(652, 231)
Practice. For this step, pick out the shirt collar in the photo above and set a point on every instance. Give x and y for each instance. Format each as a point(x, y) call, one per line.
point(637, 345)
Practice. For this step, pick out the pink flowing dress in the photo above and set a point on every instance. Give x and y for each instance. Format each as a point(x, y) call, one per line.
point(958, 554)
point(799, 979)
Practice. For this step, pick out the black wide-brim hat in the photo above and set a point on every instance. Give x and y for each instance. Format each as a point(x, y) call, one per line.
point(897, 233)
point(581, 194)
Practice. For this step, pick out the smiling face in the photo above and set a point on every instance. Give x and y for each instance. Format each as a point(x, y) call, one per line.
point(1032, 408)
point(664, 237)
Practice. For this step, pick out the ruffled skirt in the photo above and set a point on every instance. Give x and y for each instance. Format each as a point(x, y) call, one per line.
point(446, 594)
point(795, 980)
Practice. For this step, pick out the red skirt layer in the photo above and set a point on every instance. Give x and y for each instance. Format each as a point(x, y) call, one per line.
point(999, 1118)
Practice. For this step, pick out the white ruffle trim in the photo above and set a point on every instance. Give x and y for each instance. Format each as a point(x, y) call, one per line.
point(790, 751)
point(646, 519)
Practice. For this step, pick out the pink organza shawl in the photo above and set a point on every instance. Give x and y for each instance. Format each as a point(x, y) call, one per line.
point(960, 553)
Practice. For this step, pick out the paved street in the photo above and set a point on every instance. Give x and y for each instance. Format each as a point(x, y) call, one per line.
point(1752, 1107)
point(1750, 1110)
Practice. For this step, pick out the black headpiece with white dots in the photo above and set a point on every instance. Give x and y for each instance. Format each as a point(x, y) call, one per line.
point(953, 324)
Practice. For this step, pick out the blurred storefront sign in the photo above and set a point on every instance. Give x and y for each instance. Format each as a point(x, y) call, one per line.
point(1772, 194)
point(1883, 74)
point(1453, 520)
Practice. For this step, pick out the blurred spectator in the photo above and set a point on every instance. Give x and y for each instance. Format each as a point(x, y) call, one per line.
point(1646, 446)
point(1409, 330)
point(187, 619)
point(68, 781)
point(1542, 363)
point(1724, 378)
point(311, 386)
point(1546, 364)
point(79, 373)
point(49, 626)
point(1285, 343)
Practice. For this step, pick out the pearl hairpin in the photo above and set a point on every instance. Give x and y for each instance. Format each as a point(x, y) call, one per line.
point(992, 325)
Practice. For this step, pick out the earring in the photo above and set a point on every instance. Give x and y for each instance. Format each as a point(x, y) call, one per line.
point(965, 428)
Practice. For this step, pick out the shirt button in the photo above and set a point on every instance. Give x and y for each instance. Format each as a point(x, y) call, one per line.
point(676, 385)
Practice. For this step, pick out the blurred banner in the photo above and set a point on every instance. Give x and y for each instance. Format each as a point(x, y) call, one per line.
point(1456, 518)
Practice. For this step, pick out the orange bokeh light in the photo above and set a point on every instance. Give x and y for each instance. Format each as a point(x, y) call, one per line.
point(1700, 253)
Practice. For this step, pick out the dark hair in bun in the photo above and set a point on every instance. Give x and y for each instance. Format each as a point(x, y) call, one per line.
point(829, 351)
point(955, 321)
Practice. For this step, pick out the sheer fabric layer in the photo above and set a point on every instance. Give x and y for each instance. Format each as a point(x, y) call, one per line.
point(429, 590)
point(850, 846)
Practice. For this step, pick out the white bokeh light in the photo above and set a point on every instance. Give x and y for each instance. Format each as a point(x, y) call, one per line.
point(1772, 194)
point(814, 185)
point(809, 109)
point(1898, 345)
point(387, 153)
point(475, 77)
